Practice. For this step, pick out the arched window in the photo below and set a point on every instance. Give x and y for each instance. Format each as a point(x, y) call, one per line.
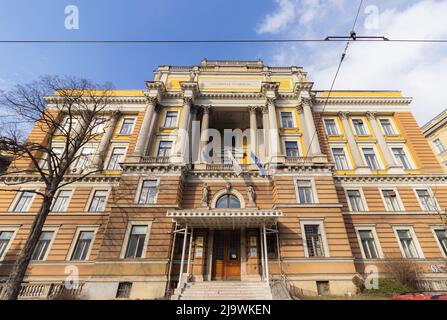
point(228, 201)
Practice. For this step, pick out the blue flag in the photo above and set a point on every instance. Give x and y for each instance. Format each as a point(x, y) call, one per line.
point(258, 163)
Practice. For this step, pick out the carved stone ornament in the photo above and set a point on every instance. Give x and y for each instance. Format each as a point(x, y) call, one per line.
point(204, 200)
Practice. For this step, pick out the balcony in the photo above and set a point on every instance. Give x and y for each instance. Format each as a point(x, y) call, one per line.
point(44, 291)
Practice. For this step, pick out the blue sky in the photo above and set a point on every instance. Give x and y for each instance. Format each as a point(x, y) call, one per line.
point(419, 70)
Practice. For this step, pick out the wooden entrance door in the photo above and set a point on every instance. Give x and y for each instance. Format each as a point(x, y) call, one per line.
point(227, 255)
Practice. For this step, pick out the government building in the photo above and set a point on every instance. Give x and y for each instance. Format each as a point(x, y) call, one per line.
point(229, 175)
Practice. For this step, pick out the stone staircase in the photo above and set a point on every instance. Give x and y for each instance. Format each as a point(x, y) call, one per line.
point(223, 290)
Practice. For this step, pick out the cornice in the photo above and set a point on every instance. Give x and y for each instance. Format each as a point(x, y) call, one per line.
point(369, 101)
point(94, 178)
point(391, 178)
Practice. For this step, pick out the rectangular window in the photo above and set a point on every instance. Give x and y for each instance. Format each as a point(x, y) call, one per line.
point(127, 126)
point(402, 158)
point(287, 119)
point(368, 244)
point(340, 159)
point(164, 149)
point(314, 240)
point(24, 201)
point(439, 146)
point(331, 127)
point(135, 245)
point(391, 202)
point(42, 245)
point(305, 193)
point(441, 235)
point(69, 125)
point(171, 119)
point(148, 192)
point(98, 202)
point(124, 289)
point(407, 243)
point(370, 158)
point(98, 126)
point(359, 127)
point(116, 157)
point(82, 246)
point(61, 202)
point(355, 200)
point(426, 200)
point(291, 148)
point(57, 153)
point(85, 158)
point(5, 237)
point(387, 127)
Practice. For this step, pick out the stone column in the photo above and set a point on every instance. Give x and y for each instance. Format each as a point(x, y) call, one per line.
point(182, 136)
point(253, 131)
point(276, 156)
point(358, 160)
point(209, 255)
point(390, 163)
point(152, 130)
point(98, 159)
point(143, 136)
point(204, 130)
point(304, 130)
point(265, 125)
point(314, 148)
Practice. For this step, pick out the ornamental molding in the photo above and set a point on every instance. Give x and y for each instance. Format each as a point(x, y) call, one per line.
point(406, 178)
point(361, 101)
point(101, 178)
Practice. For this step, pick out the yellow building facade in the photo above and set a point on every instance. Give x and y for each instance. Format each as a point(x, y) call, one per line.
point(233, 171)
point(436, 132)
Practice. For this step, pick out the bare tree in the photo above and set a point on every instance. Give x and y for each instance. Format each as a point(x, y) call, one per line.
point(68, 109)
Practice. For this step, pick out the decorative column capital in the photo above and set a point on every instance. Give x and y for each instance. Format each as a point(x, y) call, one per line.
point(343, 114)
point(300, 108)
point(306, 101)
point(206, 109)
point(187, 101)
point(371, 115)
point(152, 100)
point(270, 101)
point(252, 109)
point(115, 114)
point(264, 110)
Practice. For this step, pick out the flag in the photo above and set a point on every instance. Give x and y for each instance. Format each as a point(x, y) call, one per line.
point(236, 166)
point(258, 163)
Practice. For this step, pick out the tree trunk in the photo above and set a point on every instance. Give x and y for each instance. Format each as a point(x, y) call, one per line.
point(13, 285)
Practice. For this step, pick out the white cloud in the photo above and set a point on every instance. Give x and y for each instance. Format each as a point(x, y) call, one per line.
point(419, 70)
point(280, 19)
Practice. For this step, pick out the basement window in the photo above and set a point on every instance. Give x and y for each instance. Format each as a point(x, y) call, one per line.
point(123, 291)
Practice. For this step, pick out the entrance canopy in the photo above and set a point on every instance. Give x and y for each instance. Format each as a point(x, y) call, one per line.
point(225, 218)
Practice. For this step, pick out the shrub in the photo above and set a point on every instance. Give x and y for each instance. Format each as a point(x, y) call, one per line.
point(387, 287)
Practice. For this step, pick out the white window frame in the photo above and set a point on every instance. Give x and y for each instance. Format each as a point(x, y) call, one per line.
point(365, 125)
point(109, 154)
point(378, 157)
point(163, 139)
point(345, 150)
point(362, 196)
point(17, 198)
point(74, 126)
point(405, 149)
point(165, 115)
point(298, 144)
point(140, 185)
point(431, 195)
point(75, 164)
point(398, 199)
point(436, 147)
point(393, 125)
point(55, 231)
point(9, 228)
point(320, 222)
point(72, 190)
point(419, 251)
point(295, 126)
point(314, 189)
point(373, 230)
point(90, 198)
point(130, 224)
point(122, 123)
point(43, 163)
point(340, 133)
point(433, 229)
point(79, 229)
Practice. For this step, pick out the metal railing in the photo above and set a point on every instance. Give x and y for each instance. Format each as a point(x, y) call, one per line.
point(156, 160)
point(46, 291)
